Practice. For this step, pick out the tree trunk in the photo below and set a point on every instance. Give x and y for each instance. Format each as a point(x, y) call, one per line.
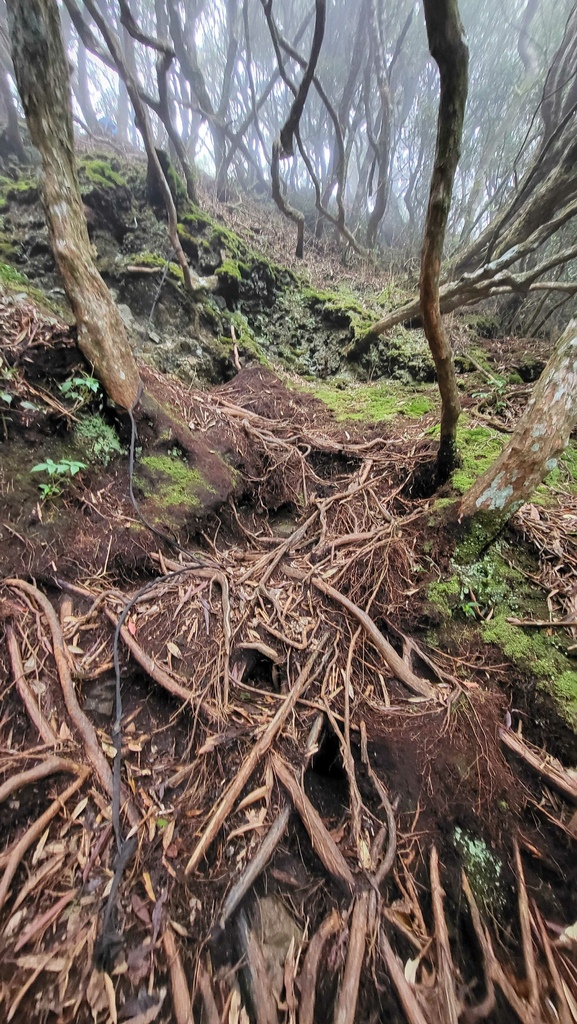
point(540, 437)
point(42, 77)
point(448, 47)
point(83, 90)
point(13, 136)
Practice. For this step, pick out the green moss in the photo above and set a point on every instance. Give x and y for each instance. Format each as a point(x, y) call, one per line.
point(374, 402)
point(177, 187)
point(172, 482)
point(153, 259)
point(445, 595)
point(229, 269)
point(7, 248)
point(101, 172)
point(96, 440)
point(245, 339)
point(478, 448)
point(488, 592)
point(339, 308)
point(10, 276)
point(24, 190)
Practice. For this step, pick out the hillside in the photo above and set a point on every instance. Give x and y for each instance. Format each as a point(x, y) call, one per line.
point(322, 692)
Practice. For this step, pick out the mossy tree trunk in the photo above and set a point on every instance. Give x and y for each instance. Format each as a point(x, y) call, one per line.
point(42, 77)
point(540, 437)
point(449, 49)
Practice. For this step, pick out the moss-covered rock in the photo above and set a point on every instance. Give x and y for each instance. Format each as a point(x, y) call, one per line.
point(489, 591)
point(172, 485)
point(101, 172)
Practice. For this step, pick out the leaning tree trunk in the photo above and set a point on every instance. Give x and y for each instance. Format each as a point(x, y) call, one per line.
point(449, 49)
point(41, 73)
point(540, 437)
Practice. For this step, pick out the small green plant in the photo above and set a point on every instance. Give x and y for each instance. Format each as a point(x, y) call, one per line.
point(80, 388)
point(59, 472)
point(96, 440)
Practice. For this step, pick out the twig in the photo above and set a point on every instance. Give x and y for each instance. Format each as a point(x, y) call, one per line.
point(355, 802)
point(225, 805)
point(484, 1008)
point(180, 992)
point(525, 921)
point(34, 831)
point(545, 765)
point(262, 997)
point(270, 841)
point(398, 667)
point(211, 1014)
point(563, 1008)
point(79, 719)
point(404, 989)
point(158, 674)
point(308, 976)
point(45, 731)
point(389, 858)
point(349, 992)
point(445, 967)
point(321, 839)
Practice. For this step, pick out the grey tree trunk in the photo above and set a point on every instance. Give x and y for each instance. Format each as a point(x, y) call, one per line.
point(540, 437)
point(42, 76)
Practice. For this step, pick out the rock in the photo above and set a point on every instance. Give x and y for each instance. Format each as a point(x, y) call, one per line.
point(127, 316)
point(275, 929)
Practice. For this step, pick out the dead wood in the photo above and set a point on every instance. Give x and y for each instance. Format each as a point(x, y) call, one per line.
point(405, 991)
point(79, 719)
point(484, 1008)
point(42, 770)
point(322, 842)
point(262, 997)
point(308, 977)
point(396, 664)
point(389, 859)
point(270, 842)
point(209, 1003)
point(525, 921)
point(160, 675)
point(35, 831)
point(347, 999)
point(445, 965)
point(225, 805)
point(563, 1007)
point(34, 712)
point(181, 1003)
point(548, 767)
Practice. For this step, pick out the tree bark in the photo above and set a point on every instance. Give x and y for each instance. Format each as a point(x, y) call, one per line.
point(448, 48)
point(540, 437)
point(42, 77)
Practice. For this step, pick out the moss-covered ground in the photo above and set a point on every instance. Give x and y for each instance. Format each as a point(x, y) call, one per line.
point(485, 595)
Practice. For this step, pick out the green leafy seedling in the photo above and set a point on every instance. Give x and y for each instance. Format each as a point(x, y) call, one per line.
point(49, 491)
point(59, 472)
point(79, 388)
point(64, 468)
